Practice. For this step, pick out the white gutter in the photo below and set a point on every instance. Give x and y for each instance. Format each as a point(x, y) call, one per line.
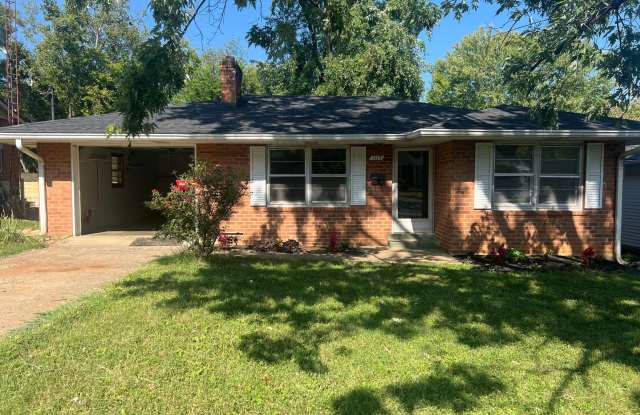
point(451, 134)
point(42, 188)
point(619, 184)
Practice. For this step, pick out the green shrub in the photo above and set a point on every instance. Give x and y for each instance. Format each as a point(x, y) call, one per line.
point(197, 204)
point(515, 256)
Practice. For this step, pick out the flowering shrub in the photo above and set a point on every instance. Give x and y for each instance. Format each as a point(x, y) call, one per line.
point(197, 204)
point(499, 255)
point(333, 241)
point(588, 256)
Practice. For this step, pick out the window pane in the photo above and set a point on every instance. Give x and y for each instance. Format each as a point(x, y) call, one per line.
point(514, 159)
point(559, 191)
point(287, 189)
point(329, 189)
point(512, 190)
point(287, 161)
point(561, 160)
point(329, 161)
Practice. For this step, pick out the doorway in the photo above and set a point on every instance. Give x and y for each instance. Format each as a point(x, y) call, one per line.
point(412, 189)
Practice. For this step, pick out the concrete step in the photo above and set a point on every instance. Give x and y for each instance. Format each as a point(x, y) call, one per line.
point(413, 240)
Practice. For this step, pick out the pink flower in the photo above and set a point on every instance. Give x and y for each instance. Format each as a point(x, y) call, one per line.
point(181, 185)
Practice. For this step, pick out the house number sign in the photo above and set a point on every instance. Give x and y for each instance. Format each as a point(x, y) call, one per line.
point(376, 158)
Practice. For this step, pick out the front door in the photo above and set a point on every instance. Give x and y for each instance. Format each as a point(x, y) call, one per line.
point(412, 201)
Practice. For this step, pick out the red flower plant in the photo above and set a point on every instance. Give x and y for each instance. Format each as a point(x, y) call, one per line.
point(333, 241)
point(499, 255)
point(181, 185)
point(588, 255)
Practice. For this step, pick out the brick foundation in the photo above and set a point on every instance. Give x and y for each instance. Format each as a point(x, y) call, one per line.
point(360, 225)
point(462, 229)
point(57, 161)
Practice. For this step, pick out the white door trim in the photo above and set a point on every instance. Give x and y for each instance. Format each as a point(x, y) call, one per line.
point(412, 225)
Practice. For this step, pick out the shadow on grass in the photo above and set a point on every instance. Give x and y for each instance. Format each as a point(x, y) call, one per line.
point(320, 302)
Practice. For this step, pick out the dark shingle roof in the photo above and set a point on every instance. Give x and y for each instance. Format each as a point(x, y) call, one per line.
point(321, 115)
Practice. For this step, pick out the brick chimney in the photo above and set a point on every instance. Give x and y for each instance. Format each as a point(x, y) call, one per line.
point(230, 80)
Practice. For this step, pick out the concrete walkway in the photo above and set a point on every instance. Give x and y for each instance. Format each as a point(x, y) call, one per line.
point(35, 282)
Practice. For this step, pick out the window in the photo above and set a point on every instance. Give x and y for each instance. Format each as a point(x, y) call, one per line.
point(513, 181)
point(117, 170)
point(1, 157)
point(537, 176)
point(329, 175)
point(304, 176)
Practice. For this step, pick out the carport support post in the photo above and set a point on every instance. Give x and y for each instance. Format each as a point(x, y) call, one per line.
point(42, 186)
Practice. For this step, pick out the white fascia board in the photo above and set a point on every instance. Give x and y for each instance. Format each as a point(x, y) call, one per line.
point(425, 135)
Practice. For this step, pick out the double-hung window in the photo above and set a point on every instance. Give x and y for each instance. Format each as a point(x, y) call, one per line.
point(514, 175)
point(308, 176)
point(559, 182)
point(528, 176)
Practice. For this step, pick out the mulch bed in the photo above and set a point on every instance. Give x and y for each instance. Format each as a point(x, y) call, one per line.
point(542, 263)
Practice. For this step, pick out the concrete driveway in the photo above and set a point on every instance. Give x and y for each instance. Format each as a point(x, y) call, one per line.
point(37, 281)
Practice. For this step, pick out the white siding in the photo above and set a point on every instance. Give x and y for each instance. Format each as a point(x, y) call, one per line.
point(631, 206)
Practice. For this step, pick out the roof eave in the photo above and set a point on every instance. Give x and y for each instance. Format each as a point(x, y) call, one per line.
point(424, 134)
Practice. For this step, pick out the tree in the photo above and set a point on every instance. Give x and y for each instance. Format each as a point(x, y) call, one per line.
point(298, 35)
point(203, 76)
point(83, 53)
point(197, 204)
point(560, 30)
point(336, 47)
point(473, 76)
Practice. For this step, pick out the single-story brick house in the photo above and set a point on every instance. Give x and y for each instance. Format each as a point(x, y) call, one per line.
point(368, 168)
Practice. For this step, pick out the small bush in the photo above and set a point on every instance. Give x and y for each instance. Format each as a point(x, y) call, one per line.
point(197, 204)
point(290, 247)
point(515, 256)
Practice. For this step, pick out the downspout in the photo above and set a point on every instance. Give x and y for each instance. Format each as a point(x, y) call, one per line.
point(42, 187)
point(619, 184)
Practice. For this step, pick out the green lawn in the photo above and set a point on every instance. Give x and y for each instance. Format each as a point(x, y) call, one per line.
point(253, 336)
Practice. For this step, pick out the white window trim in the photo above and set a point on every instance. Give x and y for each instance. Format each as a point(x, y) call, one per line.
point(308, 175)
point(537, 166)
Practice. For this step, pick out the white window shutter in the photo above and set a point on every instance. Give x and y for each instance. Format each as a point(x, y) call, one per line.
point(359, 176)
point(258, 175)
point(483, 176)
point(594, 173)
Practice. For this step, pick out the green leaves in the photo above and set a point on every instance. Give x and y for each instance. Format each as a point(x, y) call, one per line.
point(561, 29)
point(483, 71)
point(83, 52)
point(345, 48)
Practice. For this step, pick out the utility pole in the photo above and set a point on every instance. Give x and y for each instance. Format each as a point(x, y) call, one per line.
point(12, 59)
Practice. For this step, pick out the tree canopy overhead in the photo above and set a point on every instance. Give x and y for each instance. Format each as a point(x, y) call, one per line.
point(371, 47)
point(473, 75)
point(338, 47)
point(84, 49)
point(561, 28)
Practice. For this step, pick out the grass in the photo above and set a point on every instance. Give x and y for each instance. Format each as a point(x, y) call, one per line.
point(13, 239)
point(254, 336)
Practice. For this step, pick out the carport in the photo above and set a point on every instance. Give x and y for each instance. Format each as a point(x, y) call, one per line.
point(115, 182)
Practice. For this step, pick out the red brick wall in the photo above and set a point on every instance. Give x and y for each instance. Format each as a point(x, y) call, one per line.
point(461, 229)
point(57, 162)
point(360, 225)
